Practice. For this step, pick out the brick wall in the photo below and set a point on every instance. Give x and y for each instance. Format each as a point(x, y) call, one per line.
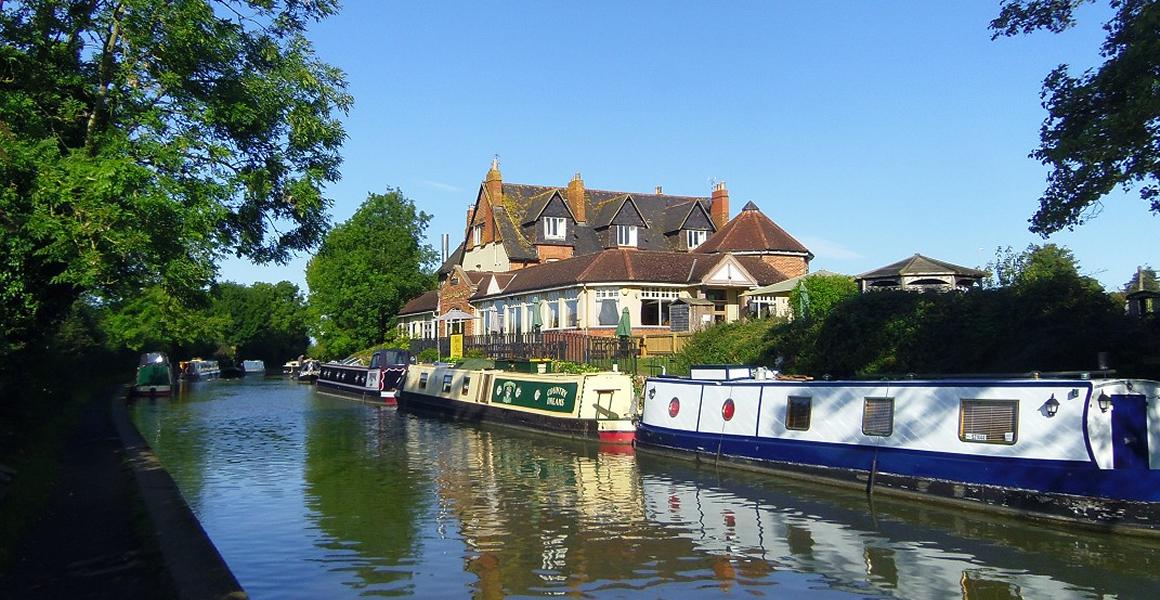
point(454, 296)
point(547, 252)
point(790, 266)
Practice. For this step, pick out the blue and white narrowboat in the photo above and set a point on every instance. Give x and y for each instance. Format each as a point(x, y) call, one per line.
point(1082, 450)
point(380, 380)
point(598, 407)
point(197, 369)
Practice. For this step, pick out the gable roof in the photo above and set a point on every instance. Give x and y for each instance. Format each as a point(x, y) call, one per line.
point(921, 265)
point(621, 265)
point(752, 231)
point(425, 302)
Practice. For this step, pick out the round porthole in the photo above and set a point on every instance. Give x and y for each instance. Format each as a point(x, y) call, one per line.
point(728, 409)
point(674, 407)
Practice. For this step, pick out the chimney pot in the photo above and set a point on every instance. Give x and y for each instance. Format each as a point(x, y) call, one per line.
point(659, 192)
point(719, 205)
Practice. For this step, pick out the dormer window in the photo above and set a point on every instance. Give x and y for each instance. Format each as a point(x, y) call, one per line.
point(696, 237)
point(477, 235)
point(555, 228)
point(626, 235)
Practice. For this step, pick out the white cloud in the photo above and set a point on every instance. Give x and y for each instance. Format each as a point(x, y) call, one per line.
point(826, 249)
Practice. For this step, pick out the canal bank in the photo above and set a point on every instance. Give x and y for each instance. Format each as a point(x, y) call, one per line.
point(114, 525)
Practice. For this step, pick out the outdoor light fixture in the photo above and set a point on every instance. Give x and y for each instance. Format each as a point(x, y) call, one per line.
point(1105, 402)
point(1051, 406)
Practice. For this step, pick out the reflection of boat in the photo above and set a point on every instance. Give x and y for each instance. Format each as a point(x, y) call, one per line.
point(596, 406)
point(899, 550)
point(196, 369)
point(1076, 449)
point(154, 375)
point(381, 379)
point(309, 370)
point(252, 367)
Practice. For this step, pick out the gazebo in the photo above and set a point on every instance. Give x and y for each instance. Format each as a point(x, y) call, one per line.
point(920, 273)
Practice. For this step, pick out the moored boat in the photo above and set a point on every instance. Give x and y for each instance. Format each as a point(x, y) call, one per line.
point(592, 406)
point(254, 367)
point(381, 379)
point(154, 375)
point(1077, 449)
point(309, 371)
point(196, 369)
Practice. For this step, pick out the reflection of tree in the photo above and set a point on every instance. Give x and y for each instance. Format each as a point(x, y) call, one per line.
point(177, 436)
point(359, 489)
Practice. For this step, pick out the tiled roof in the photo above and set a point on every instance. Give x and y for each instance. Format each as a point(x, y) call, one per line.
point(426, 302)
point(921, 265)
point(627, 266)
point(455, 258)
point(752, 231)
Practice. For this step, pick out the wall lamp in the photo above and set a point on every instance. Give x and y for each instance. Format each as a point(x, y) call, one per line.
point(1051, 406)
point(1105, 402)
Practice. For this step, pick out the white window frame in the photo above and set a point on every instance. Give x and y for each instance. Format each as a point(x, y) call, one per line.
point(664, 298)
point(626, 235)
point(477, 234)
point(606, 295)
point(555, 228)
point(695, 237)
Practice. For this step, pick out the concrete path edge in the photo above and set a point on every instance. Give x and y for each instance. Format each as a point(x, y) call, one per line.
point(194, 563)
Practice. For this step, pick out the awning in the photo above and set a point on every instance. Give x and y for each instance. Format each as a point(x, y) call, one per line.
point(456, 315)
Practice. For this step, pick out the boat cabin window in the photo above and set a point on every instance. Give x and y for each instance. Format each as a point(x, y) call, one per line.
point(466, 385)
point(878, 416)
point(423, 380)
point(797, 412)
point(989, 421)
point(447, 384)
point(376, 360)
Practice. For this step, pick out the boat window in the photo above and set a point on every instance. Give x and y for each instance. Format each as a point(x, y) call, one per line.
point(797, 412)
point(878, 416)
point(446, 384)
point(376, 360)
point(466, 385)
point(989, 421)
point(423, 380)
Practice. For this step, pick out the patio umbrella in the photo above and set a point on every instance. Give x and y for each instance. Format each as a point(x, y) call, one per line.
point(624, 328)
point(537, 321)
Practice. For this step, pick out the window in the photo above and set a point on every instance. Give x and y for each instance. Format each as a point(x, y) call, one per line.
point(423, 380)
point(695, 237)
point(878, 416)
point(515, 319)
point(466, 385)
point(607, 311)
point(477, 235)
point(654, 305)
point(626, 235)
point(553, 315)
point(454, 327)
point(988, 421)
point(571, 313)
point(447, 384)
point(429, 330)
point(555, 228)
point(797, 412)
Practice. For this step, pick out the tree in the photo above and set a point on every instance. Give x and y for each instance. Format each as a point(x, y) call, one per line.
point(1049, 262)
point(1143, 279)
point(157, 320)
point(141, 140)
point(267, 321)
point(822, 293)
point(365, 270)
point(1101, 130)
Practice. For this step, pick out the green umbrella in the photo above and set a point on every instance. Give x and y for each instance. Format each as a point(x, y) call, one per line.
point(624, 328)
point(537, 321)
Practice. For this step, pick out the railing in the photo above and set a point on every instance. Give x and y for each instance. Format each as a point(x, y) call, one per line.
point(599, 351)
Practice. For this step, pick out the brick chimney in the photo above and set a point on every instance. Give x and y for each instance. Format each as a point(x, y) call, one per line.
point(719, 205)
point(576, 199)
point(494, 183)
point(470, 218)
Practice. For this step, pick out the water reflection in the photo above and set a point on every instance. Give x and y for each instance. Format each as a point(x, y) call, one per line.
point(311, 496)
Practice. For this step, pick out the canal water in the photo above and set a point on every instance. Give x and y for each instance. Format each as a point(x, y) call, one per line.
point(311, 496)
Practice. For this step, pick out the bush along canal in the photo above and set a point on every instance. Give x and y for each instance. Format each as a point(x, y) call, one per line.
point(309, 495)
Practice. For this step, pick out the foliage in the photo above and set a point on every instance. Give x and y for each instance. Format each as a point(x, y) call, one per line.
point(575, 368)
point(1143, 279)
point(366, 269)
point(428, 355)
point(158, 320)
point(265, 321)
point(1100, 131)
point(141, 140)
point(394, 340)
point(739, 342)
point(822, 292)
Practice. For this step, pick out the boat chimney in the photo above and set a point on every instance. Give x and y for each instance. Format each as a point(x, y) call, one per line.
point(446, 246)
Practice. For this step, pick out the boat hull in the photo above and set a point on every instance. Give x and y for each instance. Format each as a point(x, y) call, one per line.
point(364, 383)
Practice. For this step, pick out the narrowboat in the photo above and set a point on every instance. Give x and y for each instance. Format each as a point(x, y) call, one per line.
point(252, 367)
point(1075, 449)
point(591, 406)
point(154, 375)
point(380, 380)
point(197, 369)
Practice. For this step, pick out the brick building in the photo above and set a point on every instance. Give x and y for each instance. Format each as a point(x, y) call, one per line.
point(579, 256)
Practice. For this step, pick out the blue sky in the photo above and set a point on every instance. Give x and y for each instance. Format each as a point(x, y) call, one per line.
point(868, 130)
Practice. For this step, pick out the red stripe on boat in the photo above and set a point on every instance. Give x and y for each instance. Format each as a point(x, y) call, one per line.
point(617, 437)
